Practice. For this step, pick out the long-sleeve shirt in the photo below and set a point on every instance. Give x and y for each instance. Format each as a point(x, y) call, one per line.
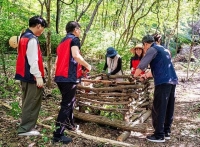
point(117, 69)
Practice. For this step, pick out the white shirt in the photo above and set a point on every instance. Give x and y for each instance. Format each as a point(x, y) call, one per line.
point(32, 56)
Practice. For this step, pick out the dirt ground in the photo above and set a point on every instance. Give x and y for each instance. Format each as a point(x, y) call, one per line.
point(185, 128)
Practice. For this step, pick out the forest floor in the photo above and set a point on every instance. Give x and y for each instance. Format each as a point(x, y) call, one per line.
point(185, 128)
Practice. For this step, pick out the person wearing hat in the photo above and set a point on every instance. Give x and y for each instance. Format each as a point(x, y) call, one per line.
point(113, 62)
point(138, 53)
point(165, 80)
point(30, 71)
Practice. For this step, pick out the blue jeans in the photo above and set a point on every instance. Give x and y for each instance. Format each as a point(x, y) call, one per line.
point(163, 109)
point(65, 117)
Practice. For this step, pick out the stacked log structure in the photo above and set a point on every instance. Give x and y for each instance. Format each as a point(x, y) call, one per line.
point(130, 99)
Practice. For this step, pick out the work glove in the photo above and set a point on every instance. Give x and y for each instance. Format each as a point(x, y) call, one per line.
point(39, 82)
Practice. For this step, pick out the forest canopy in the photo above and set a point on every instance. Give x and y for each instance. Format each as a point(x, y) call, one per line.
point(117, 23)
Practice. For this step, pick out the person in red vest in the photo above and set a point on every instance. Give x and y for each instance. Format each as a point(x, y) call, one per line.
point(68, 73)
point(30, 71)
point(138, 53)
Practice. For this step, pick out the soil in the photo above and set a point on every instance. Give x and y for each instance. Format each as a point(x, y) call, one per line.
point(185, 128)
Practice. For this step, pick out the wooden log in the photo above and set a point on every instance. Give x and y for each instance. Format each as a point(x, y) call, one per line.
point(98, 81)
point(103, 102)
point(124, 83)
point(94, 76)
point(124, 136)
point(104, 76)
point(119, 88)
point(115, 123)
point(134, 117)
point(120, 110)
point(115, 94)
point(79, 134)
point(144, 104)
point(101, 98)
point(143, 117)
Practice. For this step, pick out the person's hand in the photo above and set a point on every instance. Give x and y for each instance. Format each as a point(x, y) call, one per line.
point(143, 77)
point(89, 67)
point(39, 82)
point(131, 78)
point(132, 69)
point(85, 73)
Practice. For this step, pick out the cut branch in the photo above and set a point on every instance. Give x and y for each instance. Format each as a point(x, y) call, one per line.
point(130, 126)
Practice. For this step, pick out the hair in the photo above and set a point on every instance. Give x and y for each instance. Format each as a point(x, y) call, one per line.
point(71, 25)
point(157, 37)
point(35, 20)
point(148, 39)
point(140, 57)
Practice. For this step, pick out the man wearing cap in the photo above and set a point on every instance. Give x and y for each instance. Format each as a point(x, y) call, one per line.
point(165, 80)
point(30, 71)
point(113, 62)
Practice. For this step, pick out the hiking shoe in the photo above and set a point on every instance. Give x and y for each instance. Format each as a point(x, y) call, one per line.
point(62, 139)
point(30, 133)
point(167, 136)
point(152, 138)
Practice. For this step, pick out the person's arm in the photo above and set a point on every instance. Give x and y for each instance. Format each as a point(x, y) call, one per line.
point(118, 68)
point(105, 65)
point(78, 58)
point(32, 57)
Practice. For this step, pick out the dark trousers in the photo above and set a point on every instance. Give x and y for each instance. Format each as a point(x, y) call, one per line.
point(163, 109)
point(65, 117)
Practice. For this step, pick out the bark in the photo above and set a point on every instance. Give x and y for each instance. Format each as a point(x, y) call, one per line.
point(118, 110)
point(130, 126)
point(91, 21)
point(98, 81)
point(134, 117)
point(104, 98)
point(143, 117)
point(119, 88)
point(48, 43)
point(124, 136)
point(104, 103)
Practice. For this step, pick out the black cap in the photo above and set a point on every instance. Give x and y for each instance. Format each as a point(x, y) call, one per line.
point(148, 39)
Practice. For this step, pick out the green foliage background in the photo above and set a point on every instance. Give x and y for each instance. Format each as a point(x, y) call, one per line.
point(117, 23)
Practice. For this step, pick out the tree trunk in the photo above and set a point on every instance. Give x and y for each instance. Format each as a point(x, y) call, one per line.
point(48, 43)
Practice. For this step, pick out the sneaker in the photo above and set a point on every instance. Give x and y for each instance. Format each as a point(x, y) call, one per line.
point(167, 136)
point(62, 139)
point(152, 138)
point(30, 133)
